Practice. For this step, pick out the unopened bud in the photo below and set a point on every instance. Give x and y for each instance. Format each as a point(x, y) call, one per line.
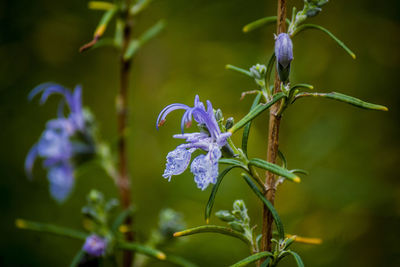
point(284, 55)
point(225, 216)
point(236, 226)
point(229, 123)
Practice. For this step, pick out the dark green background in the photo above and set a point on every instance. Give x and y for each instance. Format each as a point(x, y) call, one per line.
point(351, 199)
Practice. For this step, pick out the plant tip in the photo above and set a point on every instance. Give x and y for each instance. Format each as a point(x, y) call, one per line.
point(20, 223)
point(161, 256)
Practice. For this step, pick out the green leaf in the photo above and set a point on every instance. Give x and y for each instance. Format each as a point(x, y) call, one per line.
point(100, 5)
point(299, 171)
point(344, 98)
point(139, 248)
point(317, 27)
point(261, 22)
point(253, 258)
point(214, 191)
point(50, 228)
point(233, 162)
point(270, 67)
point(240, 70)
point(77, 258)
point(296, 258)
point(283, 158)
point(139, 6)
point(255, 112)
point(277, 219)
point(135, 44)
point(246, 130)
point(276, 169)
point(213, 229)
point(102, 26)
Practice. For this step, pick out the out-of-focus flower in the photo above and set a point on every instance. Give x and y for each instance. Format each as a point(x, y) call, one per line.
point(95, 246)
point(284, 55)
point(209, 139)
point(64, 140)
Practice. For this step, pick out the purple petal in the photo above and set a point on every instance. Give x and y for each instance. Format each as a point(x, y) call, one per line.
point(177, 162)
point(168, 109)
point(95, 245)
point(30, 160)
point(61, 181)
point(205, 168)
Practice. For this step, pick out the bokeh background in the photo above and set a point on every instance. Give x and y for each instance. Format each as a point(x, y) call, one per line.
point(351, 199)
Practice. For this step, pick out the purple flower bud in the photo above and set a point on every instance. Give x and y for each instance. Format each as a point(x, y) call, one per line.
point(95, 246)
point(283, 50)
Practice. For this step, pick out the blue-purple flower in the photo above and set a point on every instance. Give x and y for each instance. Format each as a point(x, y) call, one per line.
point(95, 246)
point(63, 142)
point(284, 55)
point(209, 139)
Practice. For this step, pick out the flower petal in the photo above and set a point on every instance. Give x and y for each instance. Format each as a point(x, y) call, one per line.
point(61, 181)
point(205, 168)
point(177, 162)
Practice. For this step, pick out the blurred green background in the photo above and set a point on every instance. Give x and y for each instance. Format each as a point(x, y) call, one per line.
point(351, 199)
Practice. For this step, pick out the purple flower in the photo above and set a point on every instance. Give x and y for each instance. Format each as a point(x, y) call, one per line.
point(95, 246)
point(284, 55)
point(211, 139)
point(61, 141)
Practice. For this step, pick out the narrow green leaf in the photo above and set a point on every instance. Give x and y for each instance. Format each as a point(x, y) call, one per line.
point(297, 258)
point(317, 27)
point(234, 162)
point(270, 67)
point(139, 6)
point(253, 258)
point(276, 169)
point(246, 130)
point(299, 171)
point(261, 22)
point(345, 98)
point(105, 19)
point(266, 262)
point(302, 85)
point(277, 219)
point(77, 258)
point(213, 229)
point(240, 70)
point(214, 191)
point(50, 228)
point(283, 158)
point(134, 45)
point(139, 248)
point(100, 5)
point(255, 112)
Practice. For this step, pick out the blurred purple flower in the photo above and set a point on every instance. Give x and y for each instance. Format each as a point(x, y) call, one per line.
point(211, 139)
point(95, 246)
point(55, 145)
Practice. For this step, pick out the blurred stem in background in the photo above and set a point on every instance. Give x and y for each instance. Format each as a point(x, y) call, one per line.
point(122, 113)
point(273, 143)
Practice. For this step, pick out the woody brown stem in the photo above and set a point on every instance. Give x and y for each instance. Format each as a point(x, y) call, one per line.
point(273, 144)
point(123, 180)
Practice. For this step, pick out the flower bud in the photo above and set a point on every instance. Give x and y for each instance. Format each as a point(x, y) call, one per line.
point(284, 55)
point(236, 226)
point(225, 216)
point(229, 123)
point(258, 71)
point(218, 115)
